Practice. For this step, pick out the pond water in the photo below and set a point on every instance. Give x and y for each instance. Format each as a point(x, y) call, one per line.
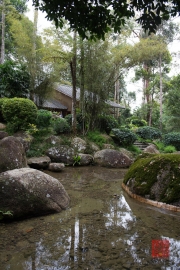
point(103, 228)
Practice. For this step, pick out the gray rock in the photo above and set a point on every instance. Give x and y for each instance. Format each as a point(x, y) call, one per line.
point(28, 192)
point(54, 140)
point(2, 126)
point(61, 154)
point(78, 144)
point(3, 134)
point(108, 146)
point(94, 147)
point(152, 149)
point(24, 138)
point(12, 154)
point(86, 159)
point(112, 158)
point(39, 162)
point(56, 167)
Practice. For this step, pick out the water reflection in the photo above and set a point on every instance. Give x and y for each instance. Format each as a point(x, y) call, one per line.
point(120, 213)
point(98, 231)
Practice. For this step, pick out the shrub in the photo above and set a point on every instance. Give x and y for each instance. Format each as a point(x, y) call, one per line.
point(160, 145)
point(19, 113)
point(107, 123)
point(169, 149)
point(79, 120)
point(124, 137)
point(43, 119)
point(148, 133)
point(173, 139)
point(1, 103)
point(166, 149)
point(138, 122)
point(96, 137)
point(60, 125)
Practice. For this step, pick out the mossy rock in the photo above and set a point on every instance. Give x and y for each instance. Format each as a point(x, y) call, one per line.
point(156, 177)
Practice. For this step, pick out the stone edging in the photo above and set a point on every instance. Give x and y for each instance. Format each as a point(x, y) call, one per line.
point(154, 203)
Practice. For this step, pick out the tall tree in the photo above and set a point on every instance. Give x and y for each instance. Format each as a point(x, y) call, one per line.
point(172, 108)
point(9, 9)
point(150, 53)
point(73, 74)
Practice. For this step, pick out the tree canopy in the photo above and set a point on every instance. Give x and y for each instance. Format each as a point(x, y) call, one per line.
point(93, 18)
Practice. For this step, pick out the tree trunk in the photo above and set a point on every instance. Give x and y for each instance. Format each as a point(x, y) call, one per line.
point(3, 35)
point(117, 90)
point(73, 74)
point(82, 101)
point(161, 93)
point(33, 64)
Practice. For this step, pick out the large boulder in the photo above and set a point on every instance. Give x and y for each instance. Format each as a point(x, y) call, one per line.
point(155, 177)
point(25, 138)
point(85, 159)
point(28, 192)
point(112, 158)
point(152, 149)
point(78, 144)
point(12, 154)
point(61, 154)
point(3, 134)
point(39, 162)
point(54, 140)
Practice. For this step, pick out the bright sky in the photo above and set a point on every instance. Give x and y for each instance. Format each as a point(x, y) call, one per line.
point(42, 21)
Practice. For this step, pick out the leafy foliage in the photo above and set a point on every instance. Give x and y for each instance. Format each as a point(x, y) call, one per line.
point(107, 123)
point(172, 108)
point(138, 122)
point(79, 123)
point(169, 149)
point(96, 19)
point(148, 133)
point(19, 113)
point(60, 125)
point(5, 214)
point(43, 119)
point(163, 148)
point(172, 139)
point(124, 137)
point(15, 80)
point(96, 137)
point(77, 160)
point(1, 103)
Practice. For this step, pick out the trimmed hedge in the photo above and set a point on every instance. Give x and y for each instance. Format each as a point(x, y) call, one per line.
point(19, 113)
point(124, 137)
point(172, 138)
point(149, 133)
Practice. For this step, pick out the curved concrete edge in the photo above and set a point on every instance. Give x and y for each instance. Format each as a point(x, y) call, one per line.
point(150, 202)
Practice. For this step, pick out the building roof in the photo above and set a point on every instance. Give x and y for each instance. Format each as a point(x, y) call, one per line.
point(114, 104)
point(67, 90)
point(53, 104)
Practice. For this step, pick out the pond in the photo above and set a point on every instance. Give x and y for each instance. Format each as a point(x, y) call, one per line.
point(103, 228)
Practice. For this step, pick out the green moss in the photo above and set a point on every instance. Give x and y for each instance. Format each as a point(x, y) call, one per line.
point(145, 170)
